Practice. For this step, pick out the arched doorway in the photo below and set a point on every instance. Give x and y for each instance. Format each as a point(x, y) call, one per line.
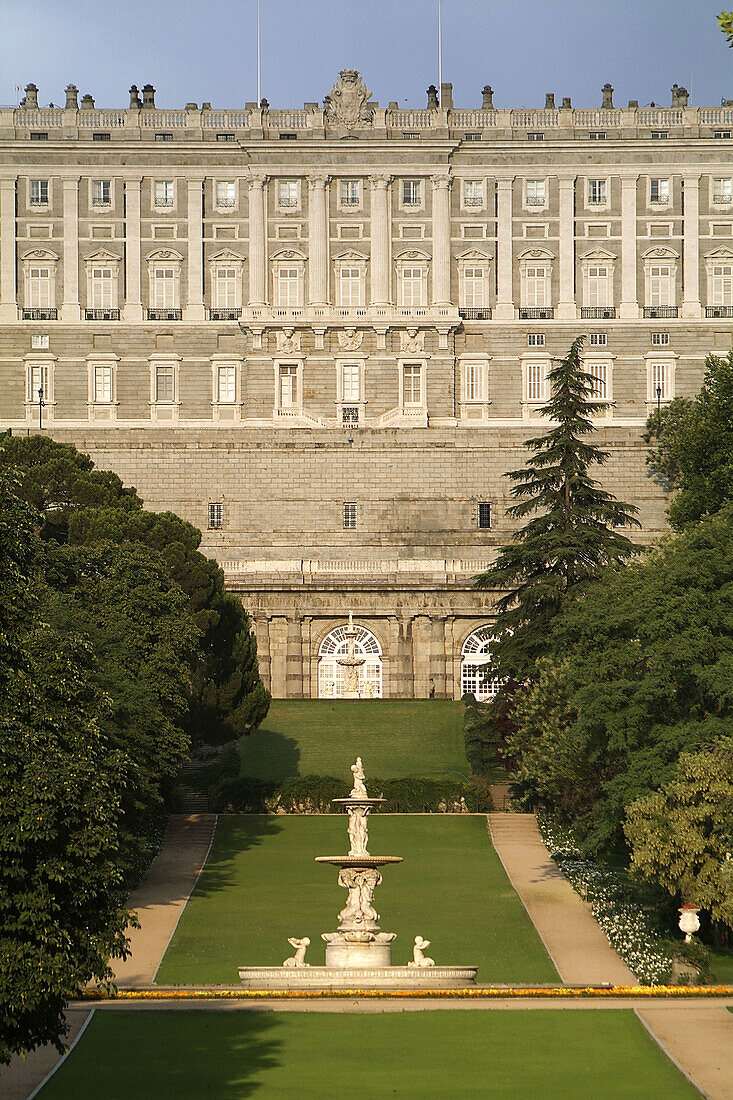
point(331, 673)
point(475, 655)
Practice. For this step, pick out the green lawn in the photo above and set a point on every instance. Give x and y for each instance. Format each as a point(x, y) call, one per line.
point(537, 1054)
point(394, 737)
point(261, 886)
point(722, 964)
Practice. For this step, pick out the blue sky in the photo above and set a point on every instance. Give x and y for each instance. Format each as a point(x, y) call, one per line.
point(194, 50)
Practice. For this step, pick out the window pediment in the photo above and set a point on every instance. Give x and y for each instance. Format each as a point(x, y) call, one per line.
point(661, 254)
point(36, 254)
point(350, 255)
point(226, 256)
point(532, 254)
point(409, 255)
point(289, 254)
point(719, 255)
point(167, 254)
point(597, 255)
point(474, 255)
point(101, 256)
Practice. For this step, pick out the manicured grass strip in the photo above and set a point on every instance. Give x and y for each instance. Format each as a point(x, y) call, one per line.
point(261, 885)
point(395, 738)
point(722, 964)
point(430, 1055)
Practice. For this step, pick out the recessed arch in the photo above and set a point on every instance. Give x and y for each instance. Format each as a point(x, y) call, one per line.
point(476, 654)
point(331, 673)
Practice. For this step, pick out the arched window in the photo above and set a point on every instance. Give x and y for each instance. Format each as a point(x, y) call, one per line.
point(475, 656)
point(331, 674)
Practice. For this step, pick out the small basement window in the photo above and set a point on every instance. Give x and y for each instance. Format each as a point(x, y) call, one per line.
point(216, 515)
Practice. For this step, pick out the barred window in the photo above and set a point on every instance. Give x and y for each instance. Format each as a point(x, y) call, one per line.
point(349, 514)
point(216, 515)
point(484, 515)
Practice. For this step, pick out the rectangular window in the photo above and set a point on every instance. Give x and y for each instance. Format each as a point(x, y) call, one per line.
point(535, 287)
point(226, 194)
point(659, 191)
point(598, 286)
point(412, 384)
point(226, 295)
point(38, 379)
point(535, 136)
point(716, 134)
point(660, 285)
point(102, 384)
point(473, 193)
point(226, 137)
point(659, 135)
point(216, 515)
point(39, 288)
point(659, 382)
point(101, 135)
point(598, 339)
point(413, 287)
point(164, 288)
point(350, 287)
point(536, 381)
point(39, 193)
point(597, 135)
point(226, 384)
point(722, 285)
point(350, 379)
point(535, 193)
point(164, 137)
point(39, 135)
point(349, 515)
point(165, 382)
point(472, 136)
point(473, 287)
point(288, 378)
point(474, 381)
point(484, 515)
point(287, 193)
point(288, 287)
point(596, 192)
point(100, 192)
point(723, 191)
point(660, 338)
point(599, 374)
point(535, 339)
point(102, 288)
point(349, 193)
point(164, 192)
point(411, 192)
point(39, 340)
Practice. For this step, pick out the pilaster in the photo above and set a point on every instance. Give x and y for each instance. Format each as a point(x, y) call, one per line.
point(257, 243)
point(317, 240)
point(380, 240)
point(70, 308)
point(629, 304)
point(691, 306)
point(566, 307)
point(441, 240)
point(194, 310)
point(8, 289)
point(504, 258)
point(133, 299)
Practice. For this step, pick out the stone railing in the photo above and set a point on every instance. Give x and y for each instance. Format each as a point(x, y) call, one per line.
point(361, 566)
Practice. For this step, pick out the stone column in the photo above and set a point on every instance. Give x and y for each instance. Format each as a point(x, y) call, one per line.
point(70, 309)
point(449, 654)
point(691, 306)
point(257, 242)
point(629, 304)
point(380, 240)
point(263, 649)
point(504, 252)
point(317, 241)
point(305, 655)
point(441, 240)
point(566, 307)
point(8, 300)
point(421, 653)
point(278, 656)
point(194, 310)
point(133, 299)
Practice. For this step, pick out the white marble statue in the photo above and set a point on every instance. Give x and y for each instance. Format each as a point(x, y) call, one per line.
point(298, 959)
point(359, 789)
point(358, 832)
point(418, 957)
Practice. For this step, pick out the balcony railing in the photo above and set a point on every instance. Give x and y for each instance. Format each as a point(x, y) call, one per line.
point(164, 314)
point(475, 313)
point(101, 314)
point(719, 311)
point(597, 313)
point(231, 313)
point(536, 313)
point(40, 314)
point(660, 312)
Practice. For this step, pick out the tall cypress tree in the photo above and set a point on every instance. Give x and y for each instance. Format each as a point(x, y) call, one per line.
point(572, 533)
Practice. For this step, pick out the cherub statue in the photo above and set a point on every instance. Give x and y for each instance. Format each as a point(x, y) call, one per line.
point(358, 832)
point(359, 789)
point(418, 958)
point(298, 959)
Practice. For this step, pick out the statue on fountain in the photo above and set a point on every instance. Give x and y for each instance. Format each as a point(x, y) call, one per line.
point(351, 664)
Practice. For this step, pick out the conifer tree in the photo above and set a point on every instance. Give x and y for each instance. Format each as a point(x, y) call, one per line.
point(572, 533)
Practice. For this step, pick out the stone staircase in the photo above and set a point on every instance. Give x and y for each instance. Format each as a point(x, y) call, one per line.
point(514, 828)
point(193, 801)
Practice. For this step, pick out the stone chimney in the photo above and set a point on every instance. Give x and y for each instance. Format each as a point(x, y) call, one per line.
point(72, 97)
point(31, 96)
point(680, 96)
point(549, 101)
point(607, 91)
point(633, 103)
point(566, 104)
point(87, 102)
point(446, 97)
point(135, 101)
point(148, 95)
point(487, 100)
point(432, 98)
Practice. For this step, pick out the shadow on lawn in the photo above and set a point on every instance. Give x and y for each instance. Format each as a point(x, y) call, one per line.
point(239, 1047)
point(234, 835)
point(280, 752)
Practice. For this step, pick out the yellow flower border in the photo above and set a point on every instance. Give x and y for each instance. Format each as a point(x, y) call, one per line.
point(224, 994)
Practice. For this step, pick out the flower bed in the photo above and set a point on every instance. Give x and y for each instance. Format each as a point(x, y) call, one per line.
point(495, 992)
point(624, 923)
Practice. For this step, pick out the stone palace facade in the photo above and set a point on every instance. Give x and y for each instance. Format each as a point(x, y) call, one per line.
point(322, 335)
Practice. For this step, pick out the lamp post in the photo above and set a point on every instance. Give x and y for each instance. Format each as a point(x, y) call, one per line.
point(41, 404)
point(659, 400)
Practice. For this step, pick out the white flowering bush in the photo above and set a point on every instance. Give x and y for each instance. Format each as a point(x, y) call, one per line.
point(625, 925)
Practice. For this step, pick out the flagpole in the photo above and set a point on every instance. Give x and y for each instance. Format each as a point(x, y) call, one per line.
point(259, 58)
point(440, 48)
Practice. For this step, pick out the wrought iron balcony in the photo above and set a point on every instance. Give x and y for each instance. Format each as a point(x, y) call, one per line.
point(164, 314)
point(475, 313)
point(536, 313)
point(40, 314)
point(719, 311)
point(102, 314)
point(598, 313)
point(660, 312)
point(231, 313)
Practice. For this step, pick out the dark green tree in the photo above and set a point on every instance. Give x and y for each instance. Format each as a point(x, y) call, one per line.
point(692, 446)
point(572, 533)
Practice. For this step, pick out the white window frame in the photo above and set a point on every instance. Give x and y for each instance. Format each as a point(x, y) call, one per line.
point(97, 190)
point(412, 406)
point(535, 193)
point(412, 193)
point(475, 381)
point(40, 286)
point(164, 260)
point(535, 386)
point(721, 191)
point(536, 340)
point(536, 285)
point(294, 369)
point(101, 285)
point(350, 278)
point(476, 200)
point(99, 405)
point(230, 200)
point(654, 260)
point(39, 371)
point(97, 263)
point(414, 277)
point(475, 277)
point(288, 194)
point(39, 259)
point(345, 200)
point(601, 367)
point(660, 368)
point(165, 370)
point(289, 283)
point(663, 192)
point(164, 195)
point(597, 192)
point(39, 193)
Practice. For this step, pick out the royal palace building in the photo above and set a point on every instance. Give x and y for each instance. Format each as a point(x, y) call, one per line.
point(322, 335)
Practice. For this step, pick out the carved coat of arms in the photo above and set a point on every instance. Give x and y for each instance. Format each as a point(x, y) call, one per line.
point(345, 105)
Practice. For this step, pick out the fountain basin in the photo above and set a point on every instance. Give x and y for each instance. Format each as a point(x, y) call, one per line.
point(356, 978)
point(358, 861)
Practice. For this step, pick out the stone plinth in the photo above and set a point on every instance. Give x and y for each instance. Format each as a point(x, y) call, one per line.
point(378, 977)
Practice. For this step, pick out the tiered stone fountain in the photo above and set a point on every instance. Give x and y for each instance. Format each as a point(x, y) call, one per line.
point(358, 953)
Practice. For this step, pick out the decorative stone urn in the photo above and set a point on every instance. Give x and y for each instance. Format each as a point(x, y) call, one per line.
point(689, 922)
